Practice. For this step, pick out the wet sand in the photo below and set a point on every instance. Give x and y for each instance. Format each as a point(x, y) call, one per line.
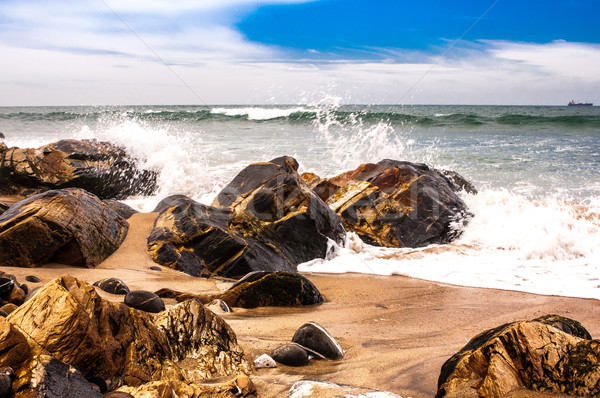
point(397, 331)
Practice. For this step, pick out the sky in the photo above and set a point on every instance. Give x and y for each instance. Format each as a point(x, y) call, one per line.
point(128, 52)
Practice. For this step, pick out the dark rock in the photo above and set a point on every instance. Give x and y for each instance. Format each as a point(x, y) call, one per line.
point(3, 207)
point(3, 313)
point(155, 268)
point(25, 288)
point(290, 355)
point(17, 296)
point(120, 208)
point(112, 285)
point(101, 168)
point(32, 279)
point(398, 204)
point(313, 336)
point(565, 324)
point(266, 219)
point(44, 376)
point(272, 289)
point(68, 226)
point(5, 385)
point(100, 382)
point(145, 301)
point(6, 287)
point(537, 355)
point(32, 292)
point(219, 306)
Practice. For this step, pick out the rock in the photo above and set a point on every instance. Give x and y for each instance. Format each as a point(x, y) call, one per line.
point(396, 204)
point(101, 168)
point(528, 354)
point(120, 208)
point(44, 376)
point(145, 301)
point(264, 362)
point(14, 349)
point(319, 389)
point(3, 313)
point(70, 321)
point(6, 287)
point(272, 289)
point(32, 292)
point(112, 285)
point(219, 306)
point(68, 226)
point(565, 324)
point(290, 355)
point(266, 219)
point(25, 288)
point(3, 207)
point(17, 296)
point(8, 308)
point(117, 394)
point(155, 268)
point(7, 376)
point(313, 336)
point(32, 279)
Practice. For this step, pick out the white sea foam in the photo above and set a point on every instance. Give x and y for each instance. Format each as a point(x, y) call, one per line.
point(545, 247)
point(257, 113)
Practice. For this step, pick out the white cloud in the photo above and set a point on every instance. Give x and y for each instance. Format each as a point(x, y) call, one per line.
point(80, 53)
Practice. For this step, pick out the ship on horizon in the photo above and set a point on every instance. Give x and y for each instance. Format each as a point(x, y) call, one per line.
point(573, 103)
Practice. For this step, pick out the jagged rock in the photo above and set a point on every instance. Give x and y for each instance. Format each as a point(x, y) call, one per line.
point(144, 301)
point(98, 167)
point(120, 208)
point(537, 355)
point(314, 337)
point(395, 204)
point(240, 387)
point(14, 349)
point(68, 226)
point(71, 322)
point(290, 355)
point(112, 285)
point(272, 289)
point(319, 389)
point(266, 219)
point(44, 376)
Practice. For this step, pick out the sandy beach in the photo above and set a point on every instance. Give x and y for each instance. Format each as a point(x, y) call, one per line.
point(396, 331)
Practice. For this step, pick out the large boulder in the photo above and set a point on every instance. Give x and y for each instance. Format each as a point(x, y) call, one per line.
point(266, 219)
point(68, 226)
point(102, 168)
point(68, 320)
point(547, 354)
point(396, 204)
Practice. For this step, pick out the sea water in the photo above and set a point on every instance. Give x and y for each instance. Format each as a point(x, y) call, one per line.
point(536, 218)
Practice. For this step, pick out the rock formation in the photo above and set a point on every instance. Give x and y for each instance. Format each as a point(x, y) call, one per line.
point(551, 353)
point(266, 219)
point(68, 226)
point(98, 167)
point(395, 204)
point(69, 322)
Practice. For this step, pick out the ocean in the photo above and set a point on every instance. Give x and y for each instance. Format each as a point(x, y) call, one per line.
point(536, 223)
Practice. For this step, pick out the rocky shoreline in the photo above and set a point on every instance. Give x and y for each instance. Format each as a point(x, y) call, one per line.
point(148, 329)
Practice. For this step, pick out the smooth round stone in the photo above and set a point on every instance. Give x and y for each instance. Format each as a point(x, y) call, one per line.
point(3, 313)
point(6, 287)
point(32, 292)
point(113, 285)
point(32, 279)
point(5, 386)
point(290, 355)
point(313, 336)
point(25, 288)
point(17, 296)
point(145, 301)
point(155, 268)
point(264, 362)
point(117, 394)
point(219, 306)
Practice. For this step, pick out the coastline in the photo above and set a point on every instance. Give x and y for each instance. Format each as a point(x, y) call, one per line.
point(397, 331)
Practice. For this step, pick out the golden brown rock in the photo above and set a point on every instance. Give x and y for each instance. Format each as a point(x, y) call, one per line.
point(98, 167)
point(69, 226)
point(70, 321)
point(14, 349)
point(395, 204)
point(529, 354)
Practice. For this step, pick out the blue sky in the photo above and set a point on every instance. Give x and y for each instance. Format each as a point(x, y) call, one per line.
point(90, 52)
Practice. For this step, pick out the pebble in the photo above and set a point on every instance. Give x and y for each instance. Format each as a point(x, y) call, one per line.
point(113, 285)
point(32, 279)
point(145, 301)
point(290, 355)
point(316, 338)
point(264, 362)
